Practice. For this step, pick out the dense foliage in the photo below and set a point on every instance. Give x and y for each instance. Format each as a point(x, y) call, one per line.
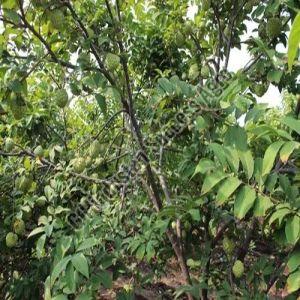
point(126, 142)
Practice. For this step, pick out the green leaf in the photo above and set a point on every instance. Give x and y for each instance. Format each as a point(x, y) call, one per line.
point(9, 4)
point(211, 180)
point(166, 85)
point(80, 263)
point(233, 160)
point(71, 278)
point(294, 41)
point(287, 149)
point(150, 251)
point(88, 243)
point(65, 244)
point(262, 204)
point(113, 94)
point(292, 123)
point(270, 156)
point(247, 162)
point(27, 163)
point(236, 136)
point(292, 229)
point(227, 189)
point(279, 214)
point(47, 287)
point(36, 231)
point(201, 123)
point(40, 246)
point(84, 296)
point(293, 282)
point(274, 76)
point(60, 297)
point(102, 103)
point(195, 214)
point(140, 252)
point(105, 278)
point(244, 201)
point(219, 153)
point(204, 166)
point(12, 15)
point(59, 267)
point(294, 261)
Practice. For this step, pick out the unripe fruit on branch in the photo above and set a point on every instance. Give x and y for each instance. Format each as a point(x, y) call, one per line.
point(274, 27)
point(193, 72)
point(61, 98)
point(11, 240)
point(206, 4)
point(56, 18)
point(95, 149)
point(9, 144)
point(187, 226)
point(173, 225)
point(88, 161)
point(179, 40)
point(227, 32)
point(238, 269)
point(228, 245)
point(205, 71)
point(112, 61)
point(188, 29)
point(17, 105)
point(19, 226)
point(79, 165)
point(260, 89)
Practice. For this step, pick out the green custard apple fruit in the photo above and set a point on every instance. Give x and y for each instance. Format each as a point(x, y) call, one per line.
point(88, 161)
point(173, 225)
point(27, 214)
point(19, 226)
point(61, 98)
point(193, 72)
point(79, 165)
point(17, 105)
point(11, 240)
point(18, 112)
point(179, 39)
point(95, 149)
point(227, 32)
point(188, 28)
point(9, 144)
point(228, 245)
point(206, 4)
point(187, 226)
point(262, 31)
point(205, 72)
point(2, 283)
point(238, 269)
point(248, 7)
point(260, 89)
point(39, 151)
point(112, 61)
point(56, 18)
point(273, 27)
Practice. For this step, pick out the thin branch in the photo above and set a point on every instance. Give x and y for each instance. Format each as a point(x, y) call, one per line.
point(103, 127)
point(93, 49)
